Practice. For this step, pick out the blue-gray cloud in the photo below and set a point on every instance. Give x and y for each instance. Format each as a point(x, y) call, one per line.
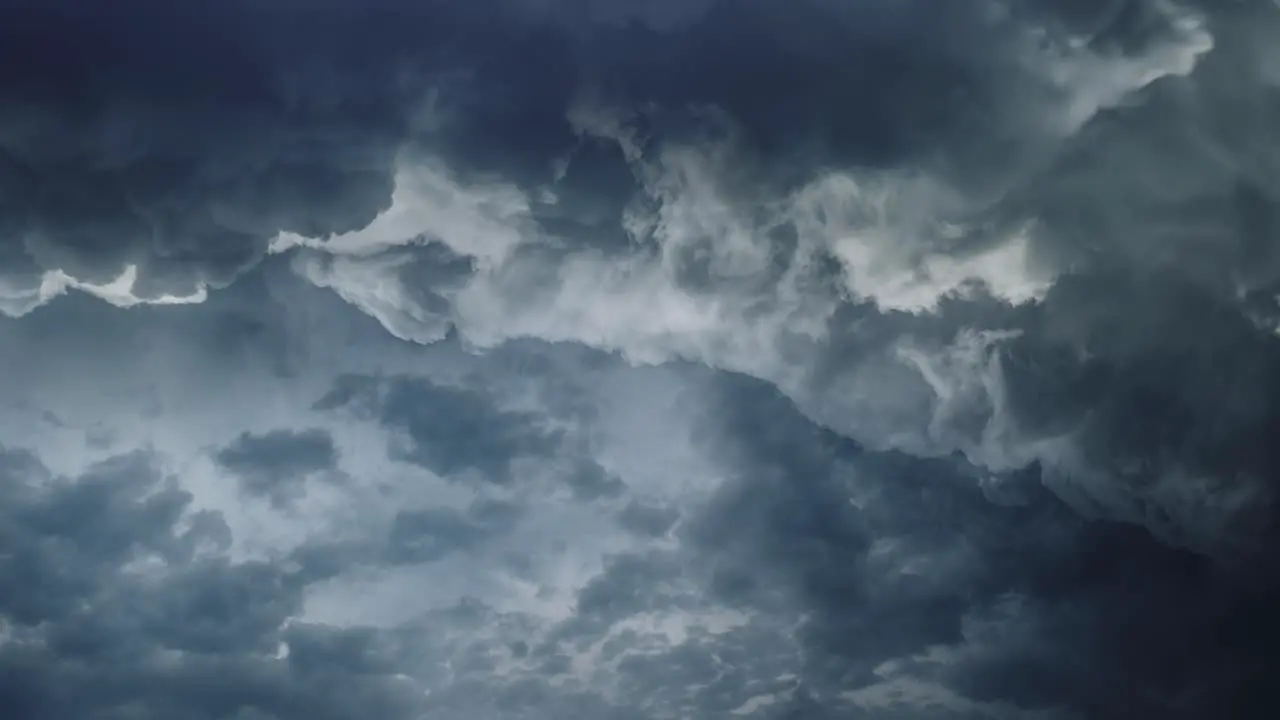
point(702, 359)
point(449, 430)
point(112, 608)
point(276, 464)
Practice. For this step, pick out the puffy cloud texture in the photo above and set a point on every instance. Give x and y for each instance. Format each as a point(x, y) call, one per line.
point(531, 359)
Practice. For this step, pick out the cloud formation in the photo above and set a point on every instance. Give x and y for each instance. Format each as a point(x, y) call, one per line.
point(700, 359)
point(274, 464)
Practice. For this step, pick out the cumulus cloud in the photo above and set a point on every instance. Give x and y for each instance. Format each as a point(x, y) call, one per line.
point(118, 605)
point(703, 359)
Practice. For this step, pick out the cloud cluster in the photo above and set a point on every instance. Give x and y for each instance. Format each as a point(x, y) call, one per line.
point(118, 605)
point(700, 359)
point(275, 463)
point(1080, 161)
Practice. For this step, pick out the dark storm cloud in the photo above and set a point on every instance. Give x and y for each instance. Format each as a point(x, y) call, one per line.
point(115, 606)
point(170, 140)
point(1134, 138)
point(892, 557)
point(900, 219)
point(1005, 274)
point(67, 537)
point(451, 430)
point(181, 142)
point(276, 464)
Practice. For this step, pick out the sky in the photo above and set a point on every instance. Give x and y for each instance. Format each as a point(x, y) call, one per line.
point(664, 360)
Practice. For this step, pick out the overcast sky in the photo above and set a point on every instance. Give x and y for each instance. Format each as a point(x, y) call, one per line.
point(609, 359)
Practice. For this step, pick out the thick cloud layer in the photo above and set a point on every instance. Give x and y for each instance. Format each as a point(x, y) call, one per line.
point(590, 359)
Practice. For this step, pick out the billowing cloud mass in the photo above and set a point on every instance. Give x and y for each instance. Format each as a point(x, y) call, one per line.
point(556, 359)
